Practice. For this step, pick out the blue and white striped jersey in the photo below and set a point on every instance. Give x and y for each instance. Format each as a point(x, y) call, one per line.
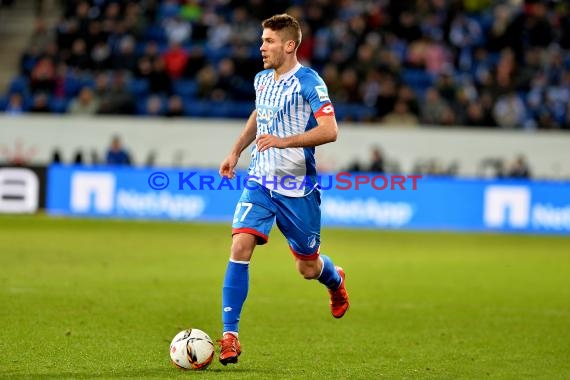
point(285, 107)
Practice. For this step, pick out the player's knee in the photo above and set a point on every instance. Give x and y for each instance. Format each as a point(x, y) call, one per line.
point(309, 272)
point(240, 252)
point(242, 249)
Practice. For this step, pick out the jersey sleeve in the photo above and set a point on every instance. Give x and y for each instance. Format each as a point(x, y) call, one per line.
point(315, 91)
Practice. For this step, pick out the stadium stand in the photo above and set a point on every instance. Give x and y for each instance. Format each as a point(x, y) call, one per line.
point(473, 62)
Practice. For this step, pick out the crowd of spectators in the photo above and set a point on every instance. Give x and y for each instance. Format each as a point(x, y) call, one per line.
point(406, 62)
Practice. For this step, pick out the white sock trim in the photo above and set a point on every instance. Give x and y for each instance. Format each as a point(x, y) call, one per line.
point(234, 333)
point(239, 262)
point(339, 285)
point(322, 268)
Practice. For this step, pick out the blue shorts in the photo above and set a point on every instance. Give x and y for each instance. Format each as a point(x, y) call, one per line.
point(298, 218)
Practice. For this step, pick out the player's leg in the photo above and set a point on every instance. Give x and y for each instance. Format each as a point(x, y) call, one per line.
point(322, 268)
point(252, 222)
point(234, 294)
point(299, 219)
point(333, 277)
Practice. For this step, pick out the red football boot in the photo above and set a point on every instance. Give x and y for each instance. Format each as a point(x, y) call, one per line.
point(230, 349)
point(339, 298)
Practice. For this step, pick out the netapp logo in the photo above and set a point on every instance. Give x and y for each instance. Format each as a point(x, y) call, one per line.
point(512, 206)
point(508, 205)
point(19, 191)
point(369, 210)
point(92, 189)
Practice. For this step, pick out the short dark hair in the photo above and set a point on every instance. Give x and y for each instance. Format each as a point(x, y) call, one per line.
point(286, 23)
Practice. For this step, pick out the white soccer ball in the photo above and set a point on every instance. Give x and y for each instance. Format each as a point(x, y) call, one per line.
point(192, 349)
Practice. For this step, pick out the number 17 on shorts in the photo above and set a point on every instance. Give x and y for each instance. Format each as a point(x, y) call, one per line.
point(242, 209)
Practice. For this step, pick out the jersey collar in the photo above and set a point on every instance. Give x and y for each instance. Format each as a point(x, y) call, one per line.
point(289, 73)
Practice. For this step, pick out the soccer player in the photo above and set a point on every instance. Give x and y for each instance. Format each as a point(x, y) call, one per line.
point(293, 114)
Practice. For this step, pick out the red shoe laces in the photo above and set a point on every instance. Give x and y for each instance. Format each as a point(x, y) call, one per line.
point(227, 343)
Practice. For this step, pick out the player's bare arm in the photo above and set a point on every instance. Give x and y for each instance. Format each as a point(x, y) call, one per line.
point(246, 137)
point(326, 131)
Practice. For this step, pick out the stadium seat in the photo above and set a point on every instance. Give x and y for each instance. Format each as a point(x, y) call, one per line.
point(215, 55)
point(71, 86)
point(27, 64)
point(28, 101)
point(58, 105)
point(139, 87)
point(196, 108)
point(186, 88)
point(354, 112)
point(3, 103)
point(19, 84)
point(140, 106)
point(87, 81)
point(230, 109)
point(485, 21)
point(240, 110)
point(155, 33)
point(417, 78)
point(168, 10)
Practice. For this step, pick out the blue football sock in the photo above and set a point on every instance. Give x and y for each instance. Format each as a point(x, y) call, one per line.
point(234, 293)
point(329, 276)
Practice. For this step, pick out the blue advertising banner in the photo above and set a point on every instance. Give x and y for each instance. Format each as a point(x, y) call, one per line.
point(349, 200)
point(124, 192)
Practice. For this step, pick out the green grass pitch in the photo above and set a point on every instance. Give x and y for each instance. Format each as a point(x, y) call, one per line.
point(89, 299)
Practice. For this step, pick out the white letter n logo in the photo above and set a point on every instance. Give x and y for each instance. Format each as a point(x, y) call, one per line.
point(88, 185)
point(500, 200)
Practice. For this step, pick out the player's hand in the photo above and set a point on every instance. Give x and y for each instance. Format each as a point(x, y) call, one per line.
point(265, 142)
point(228, 165)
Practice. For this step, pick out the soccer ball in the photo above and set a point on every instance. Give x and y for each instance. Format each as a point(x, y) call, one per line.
point(192, 349)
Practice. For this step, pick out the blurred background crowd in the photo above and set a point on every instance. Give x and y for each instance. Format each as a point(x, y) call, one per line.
point(484, 63)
